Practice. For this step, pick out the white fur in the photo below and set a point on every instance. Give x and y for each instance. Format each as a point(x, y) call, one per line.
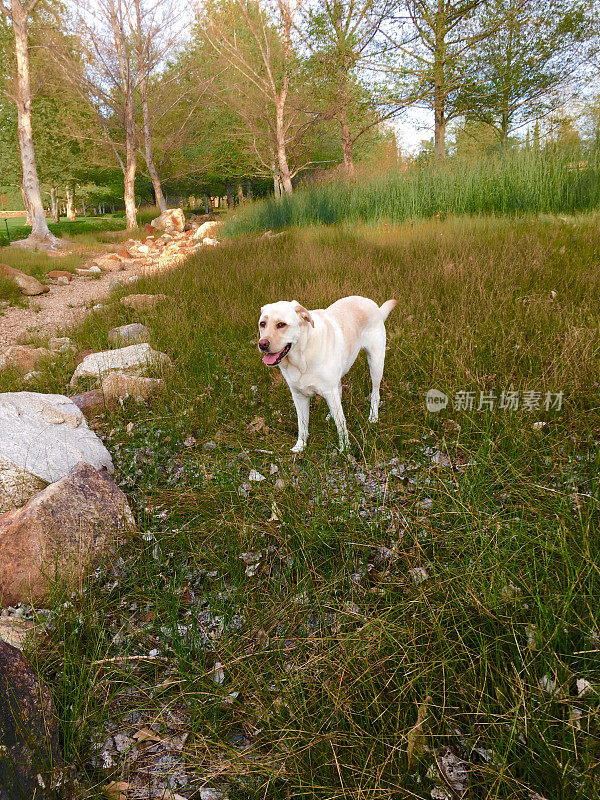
point(325, 344)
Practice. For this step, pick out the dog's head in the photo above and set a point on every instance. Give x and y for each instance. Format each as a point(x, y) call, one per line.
point(280, 327)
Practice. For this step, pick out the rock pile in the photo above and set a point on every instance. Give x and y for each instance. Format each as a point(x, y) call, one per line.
point(158, 252)
point(59, 509)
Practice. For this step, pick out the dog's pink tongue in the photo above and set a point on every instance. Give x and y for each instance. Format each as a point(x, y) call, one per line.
point(270, 358)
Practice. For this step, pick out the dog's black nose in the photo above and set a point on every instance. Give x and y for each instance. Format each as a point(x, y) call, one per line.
point(263, 344)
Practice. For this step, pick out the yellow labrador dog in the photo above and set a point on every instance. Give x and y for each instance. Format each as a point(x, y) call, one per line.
point(315, 349)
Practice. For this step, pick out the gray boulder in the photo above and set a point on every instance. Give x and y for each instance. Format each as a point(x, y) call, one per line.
point(47, 435)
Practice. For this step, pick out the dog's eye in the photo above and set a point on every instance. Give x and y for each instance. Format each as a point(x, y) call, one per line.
point(281, 324)
point(262, 324)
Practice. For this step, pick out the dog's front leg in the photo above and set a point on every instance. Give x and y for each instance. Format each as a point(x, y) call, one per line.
point(334, 401)
point(302, 403)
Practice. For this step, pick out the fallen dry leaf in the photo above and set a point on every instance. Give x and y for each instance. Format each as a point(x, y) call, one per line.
point(146, 735)
point(116, 790)
point(257, 425)
point(416, 734)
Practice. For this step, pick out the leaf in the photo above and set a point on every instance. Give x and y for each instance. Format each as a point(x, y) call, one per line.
point(146, 735)
point(116, 790)
point(416, 734)
point(257, 425)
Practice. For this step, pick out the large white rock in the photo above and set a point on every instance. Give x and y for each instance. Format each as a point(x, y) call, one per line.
point(171, 220)
point(47, 435)
point(207, 229)
point(132, 360)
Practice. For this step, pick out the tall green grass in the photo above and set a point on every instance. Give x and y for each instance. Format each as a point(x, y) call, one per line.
point(511, 184)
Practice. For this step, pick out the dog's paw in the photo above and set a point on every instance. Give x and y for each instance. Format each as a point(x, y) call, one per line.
point(373, 417)
point(298, 447)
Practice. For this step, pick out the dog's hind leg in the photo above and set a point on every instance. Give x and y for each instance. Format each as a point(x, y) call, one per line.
point(302, 403)
point(375, 348)
point(334, 401)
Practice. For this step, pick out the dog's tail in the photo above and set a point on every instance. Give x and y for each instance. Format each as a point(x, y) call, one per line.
point(388, 306)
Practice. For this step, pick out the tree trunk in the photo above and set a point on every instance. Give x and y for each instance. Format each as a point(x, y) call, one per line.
point(31, 184)
point(276, 183)
point(127, 83)
point(439, 85)
point(129, 189)
point(284, 170)
point(70, 194)
point(347, 144)
point(26, 205)
point(158, 192)
point(229, 193)
point(54, 203)
point(143, 47)
point(240, 193)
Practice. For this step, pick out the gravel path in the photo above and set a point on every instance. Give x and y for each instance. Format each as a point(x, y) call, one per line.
point(61, 307)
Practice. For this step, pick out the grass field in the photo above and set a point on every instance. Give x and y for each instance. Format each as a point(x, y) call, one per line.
point(517, 183)
point(341, 627)
point(18, 230)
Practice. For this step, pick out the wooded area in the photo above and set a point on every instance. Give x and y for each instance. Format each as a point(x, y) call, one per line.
point(114, 102)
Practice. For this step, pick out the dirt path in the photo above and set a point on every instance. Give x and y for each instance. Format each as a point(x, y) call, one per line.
point(60, 308)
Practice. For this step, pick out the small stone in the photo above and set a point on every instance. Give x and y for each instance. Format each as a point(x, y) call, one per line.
point(418, 574)
point(131, 360)
point(510, 592)
point(549, 686)
point(57, 343)
point(209, 446)
point(143, 302)
point(33, 377)
point(62, 281)
point(584, 688)
point(256, 476)
point(117, 384)
point(23, 358)
point(129, 334)
point(92, 403)
point(58, 274)
point(122, 742)
point(27, 284)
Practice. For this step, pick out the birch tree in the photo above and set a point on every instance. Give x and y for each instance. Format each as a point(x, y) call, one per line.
point(256, 43)
point(18, 13)
point(102, 69)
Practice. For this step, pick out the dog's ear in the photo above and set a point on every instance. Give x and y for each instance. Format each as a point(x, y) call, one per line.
point(304, 314)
